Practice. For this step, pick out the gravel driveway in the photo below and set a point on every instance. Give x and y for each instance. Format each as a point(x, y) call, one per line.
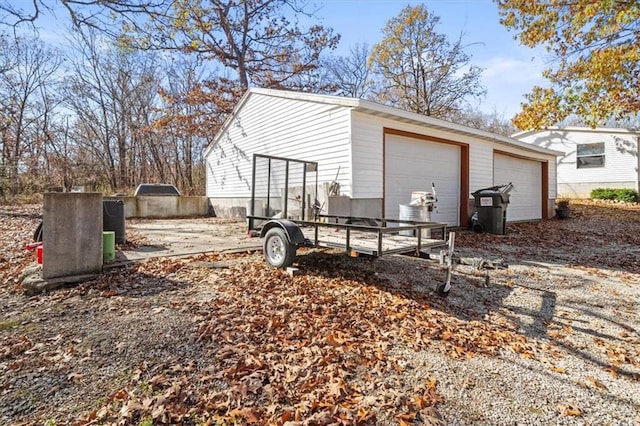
point(223, 339)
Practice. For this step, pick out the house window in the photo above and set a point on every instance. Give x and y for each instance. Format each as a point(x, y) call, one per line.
point(590, 155)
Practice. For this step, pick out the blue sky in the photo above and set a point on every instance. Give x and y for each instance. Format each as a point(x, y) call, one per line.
point(510, 70)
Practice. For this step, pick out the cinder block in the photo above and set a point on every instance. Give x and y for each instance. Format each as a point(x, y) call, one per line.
point(293, 271)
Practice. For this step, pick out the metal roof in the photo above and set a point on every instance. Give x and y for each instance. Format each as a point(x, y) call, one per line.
point(385, 111)
point(575, 129)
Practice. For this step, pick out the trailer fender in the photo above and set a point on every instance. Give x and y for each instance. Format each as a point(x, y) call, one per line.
point(293, 231)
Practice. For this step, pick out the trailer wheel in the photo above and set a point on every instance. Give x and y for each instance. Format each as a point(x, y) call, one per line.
point(440, 290)
point(278, 251)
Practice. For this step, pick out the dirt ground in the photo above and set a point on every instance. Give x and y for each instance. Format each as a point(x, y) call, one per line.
point(220, 338)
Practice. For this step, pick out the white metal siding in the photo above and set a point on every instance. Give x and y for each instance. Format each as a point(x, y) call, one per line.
point(412, 165)
point(621, 155)
point(367, 141)
point(526, 176)
point(280, 127)
point(367, 134)
point(480, 166)
point(337, 137)
point(553, 178)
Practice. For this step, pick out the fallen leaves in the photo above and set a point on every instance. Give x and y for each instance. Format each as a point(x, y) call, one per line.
point(595, 383)
point(569, 409)
point(324, 347)
point(618, 354)
point(608, 228)
point(17, 225)
point(287, 349)
point(422, 407)
point(612, 371)
point(558, 370)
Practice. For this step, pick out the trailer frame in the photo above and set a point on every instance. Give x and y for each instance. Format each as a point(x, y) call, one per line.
point(357, 236)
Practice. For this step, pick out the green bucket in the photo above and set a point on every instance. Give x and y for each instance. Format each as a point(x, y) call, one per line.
point(108, 246)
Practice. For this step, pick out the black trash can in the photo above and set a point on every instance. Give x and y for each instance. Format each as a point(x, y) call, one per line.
point(113, 219)
point(491, 209)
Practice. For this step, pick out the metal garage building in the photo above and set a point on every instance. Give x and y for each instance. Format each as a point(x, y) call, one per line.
point(378, 154)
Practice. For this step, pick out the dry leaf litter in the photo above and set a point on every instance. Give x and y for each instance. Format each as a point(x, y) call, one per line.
point(224, 339)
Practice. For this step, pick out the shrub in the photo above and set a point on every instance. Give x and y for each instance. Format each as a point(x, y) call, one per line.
point(616, 194)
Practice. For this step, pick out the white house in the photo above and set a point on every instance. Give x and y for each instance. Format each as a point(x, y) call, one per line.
point(378, 154)
point(594, 158)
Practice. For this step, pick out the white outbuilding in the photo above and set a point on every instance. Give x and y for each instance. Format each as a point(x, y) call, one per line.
point(378, 155)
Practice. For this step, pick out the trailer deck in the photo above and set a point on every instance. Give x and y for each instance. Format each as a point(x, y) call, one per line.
point(371, 239)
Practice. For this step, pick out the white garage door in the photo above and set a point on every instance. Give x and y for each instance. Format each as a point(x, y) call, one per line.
point(412, 165)
point(526, 176)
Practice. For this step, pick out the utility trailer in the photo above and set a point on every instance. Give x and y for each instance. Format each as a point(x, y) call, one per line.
point(286, 209)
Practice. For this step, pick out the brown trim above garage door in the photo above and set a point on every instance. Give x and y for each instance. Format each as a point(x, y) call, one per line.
point(544, 164)
point(464, 167)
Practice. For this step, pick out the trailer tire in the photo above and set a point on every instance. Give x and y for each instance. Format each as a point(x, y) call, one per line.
point(440, 290)
point(279, 252)
point(37, 234)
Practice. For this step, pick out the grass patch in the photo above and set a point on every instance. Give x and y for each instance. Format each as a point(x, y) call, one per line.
point(5, 325)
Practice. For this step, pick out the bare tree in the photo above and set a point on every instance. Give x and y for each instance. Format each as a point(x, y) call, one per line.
point(261, 41)
point(112, 92)
point(120, 131)
point(96, 14)
point(26, 91)
point(7, 62)
point(423, 71)
point(185, 121)
point(351, 75)
point(491, 122)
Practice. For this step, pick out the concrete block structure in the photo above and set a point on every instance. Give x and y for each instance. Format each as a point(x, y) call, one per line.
point(72, 234)
point(164, 207)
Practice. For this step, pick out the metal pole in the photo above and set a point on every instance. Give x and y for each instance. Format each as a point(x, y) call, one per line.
point(253, 191)
point(267, 213)
point(286, 188)
point(304, 192)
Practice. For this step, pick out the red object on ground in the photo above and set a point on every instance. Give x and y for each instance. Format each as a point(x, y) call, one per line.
point(33, 245)
point(39, 254)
